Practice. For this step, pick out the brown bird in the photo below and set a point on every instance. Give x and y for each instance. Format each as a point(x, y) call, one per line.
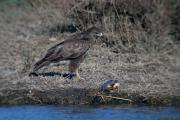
point(73, 49)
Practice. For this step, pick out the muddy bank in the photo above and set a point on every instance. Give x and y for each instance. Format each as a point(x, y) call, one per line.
point(79, 96)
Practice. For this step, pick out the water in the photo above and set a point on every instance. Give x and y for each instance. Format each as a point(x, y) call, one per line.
point(52, 112)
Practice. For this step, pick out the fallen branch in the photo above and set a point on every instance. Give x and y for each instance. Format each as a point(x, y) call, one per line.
point(125, 99)
point(119, 98)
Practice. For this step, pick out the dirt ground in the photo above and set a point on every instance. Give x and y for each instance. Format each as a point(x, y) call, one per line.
point(23, 42)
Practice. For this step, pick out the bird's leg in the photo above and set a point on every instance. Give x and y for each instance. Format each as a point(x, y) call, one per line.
point(73, 67)
point(77, 75)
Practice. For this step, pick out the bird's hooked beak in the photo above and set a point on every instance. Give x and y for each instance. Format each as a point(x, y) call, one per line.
point(99, 34)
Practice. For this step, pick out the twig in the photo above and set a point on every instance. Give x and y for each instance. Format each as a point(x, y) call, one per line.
point(102, 97)
point(125, 99)
point(119, 98)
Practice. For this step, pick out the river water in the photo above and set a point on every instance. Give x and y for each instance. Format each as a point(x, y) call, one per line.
point(76, 112)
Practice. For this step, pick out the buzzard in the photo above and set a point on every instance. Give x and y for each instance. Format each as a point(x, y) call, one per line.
point(73, 49)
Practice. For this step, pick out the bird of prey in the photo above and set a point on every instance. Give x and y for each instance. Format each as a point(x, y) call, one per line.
point(73, 49)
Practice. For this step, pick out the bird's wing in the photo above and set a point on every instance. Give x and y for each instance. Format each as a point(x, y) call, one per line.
point(69, 49)
point(53, 51)
point(77, 48)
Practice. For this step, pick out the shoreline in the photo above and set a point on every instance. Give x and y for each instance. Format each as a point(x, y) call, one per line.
point(76, 96)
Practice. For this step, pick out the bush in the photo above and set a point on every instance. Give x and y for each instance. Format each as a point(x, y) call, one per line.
point(134, 26)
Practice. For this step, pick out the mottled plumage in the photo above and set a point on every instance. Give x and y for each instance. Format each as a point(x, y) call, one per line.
point(73, 49)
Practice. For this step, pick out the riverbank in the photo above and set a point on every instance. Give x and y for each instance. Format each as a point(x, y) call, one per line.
point(140, 49)
point(80, 96)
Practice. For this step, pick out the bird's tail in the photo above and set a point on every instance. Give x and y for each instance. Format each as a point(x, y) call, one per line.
point(41, 63)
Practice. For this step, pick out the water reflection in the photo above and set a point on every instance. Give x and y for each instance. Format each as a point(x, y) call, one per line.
point(51, 112)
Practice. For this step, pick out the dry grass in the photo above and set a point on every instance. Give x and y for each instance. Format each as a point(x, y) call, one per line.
point(137, 49)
